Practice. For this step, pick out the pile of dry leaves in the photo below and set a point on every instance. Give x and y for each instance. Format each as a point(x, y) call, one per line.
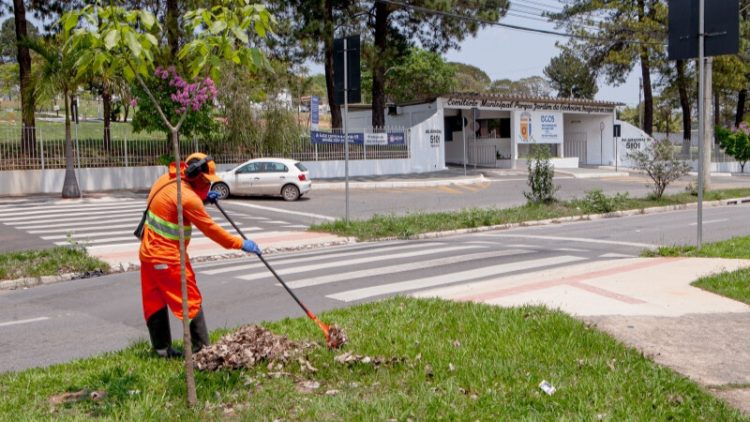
point(247, 347)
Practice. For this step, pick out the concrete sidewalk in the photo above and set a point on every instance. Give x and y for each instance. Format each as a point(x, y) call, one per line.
point(647, 303)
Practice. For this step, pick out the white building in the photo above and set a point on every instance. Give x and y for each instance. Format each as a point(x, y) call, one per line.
point(498, 130)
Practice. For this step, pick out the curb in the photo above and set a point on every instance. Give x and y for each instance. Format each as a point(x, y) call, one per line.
point(24, 283)
point(28, 282)
point(396, 184)
point(602, 175)
point(585, 217)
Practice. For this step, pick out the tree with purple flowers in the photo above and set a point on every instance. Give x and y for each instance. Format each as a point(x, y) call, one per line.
point(173, 94)
point(222, 35)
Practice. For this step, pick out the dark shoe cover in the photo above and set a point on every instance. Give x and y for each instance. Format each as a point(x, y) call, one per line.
point(199, 332)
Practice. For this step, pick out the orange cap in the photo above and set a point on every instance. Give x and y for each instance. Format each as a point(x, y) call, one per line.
point(206, 166)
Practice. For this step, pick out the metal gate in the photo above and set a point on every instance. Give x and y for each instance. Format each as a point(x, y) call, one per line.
point(575, 146)
point(481, 154)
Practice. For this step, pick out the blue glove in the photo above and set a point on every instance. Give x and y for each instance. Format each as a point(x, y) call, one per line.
point(213, 197)
point(250, 246)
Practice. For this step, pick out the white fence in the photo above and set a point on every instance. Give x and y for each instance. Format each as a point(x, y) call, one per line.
point(42, 153)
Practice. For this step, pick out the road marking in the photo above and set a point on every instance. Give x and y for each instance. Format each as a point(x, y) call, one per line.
point(298, 260)
point(573, 239)
point(570, 250)
point(348, 262)
point(710, 222)
point(133, 220)
point(23, 321)
point(615, 255)
point(27, 212)
point(431, 263)
point(449, 190)
point(279, 210)
point(422, 283)
point(276, 222)
point(78, 234)
point(85, 216)
point(296, 226)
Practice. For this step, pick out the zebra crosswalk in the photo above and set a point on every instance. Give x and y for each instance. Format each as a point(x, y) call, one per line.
point(362, 272)
point(106, 222)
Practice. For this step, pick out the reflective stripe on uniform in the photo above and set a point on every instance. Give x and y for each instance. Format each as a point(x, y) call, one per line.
point(165, 228)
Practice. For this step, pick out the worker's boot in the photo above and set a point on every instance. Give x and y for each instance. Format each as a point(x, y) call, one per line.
point(161, 336)
point(199, 332)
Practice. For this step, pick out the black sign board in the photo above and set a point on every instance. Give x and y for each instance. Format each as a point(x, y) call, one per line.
point(616, 131)
point(721, 25)
point(352, 69)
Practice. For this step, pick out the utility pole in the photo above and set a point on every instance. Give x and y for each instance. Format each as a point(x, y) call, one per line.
point(701, 119)
point(708, 123)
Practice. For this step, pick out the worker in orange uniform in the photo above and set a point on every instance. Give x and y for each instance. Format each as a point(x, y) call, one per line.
point(160, 250)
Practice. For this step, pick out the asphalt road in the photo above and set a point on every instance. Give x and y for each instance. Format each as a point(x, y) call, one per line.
point(498, 191)
point(56, 323)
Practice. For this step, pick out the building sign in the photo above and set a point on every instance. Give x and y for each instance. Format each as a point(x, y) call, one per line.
point(314, 112)
point(490, 104)
point(376, 139)
point(435, 136)
point(538, 127)
point(358, 138)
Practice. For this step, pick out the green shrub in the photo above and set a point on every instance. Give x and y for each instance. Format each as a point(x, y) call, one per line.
point(596, 202)
point(541, 174)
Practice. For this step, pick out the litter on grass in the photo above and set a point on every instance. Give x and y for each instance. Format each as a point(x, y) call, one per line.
point(77, 396)
point(247, 347)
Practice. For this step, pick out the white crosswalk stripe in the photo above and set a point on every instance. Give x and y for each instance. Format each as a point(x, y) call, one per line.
point(360, 272)
point(299, 260)
point(97, 223)
point(463, 276)
point(357, 261)
point(431, 263)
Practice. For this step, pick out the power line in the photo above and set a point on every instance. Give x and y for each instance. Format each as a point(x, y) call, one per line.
point(505, 25)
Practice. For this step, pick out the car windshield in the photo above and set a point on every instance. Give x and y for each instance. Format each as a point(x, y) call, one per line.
point(300, 166)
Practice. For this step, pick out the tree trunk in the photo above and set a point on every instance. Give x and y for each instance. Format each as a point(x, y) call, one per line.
point(186, 340)
point(173, 29)
point(70, 184)
point(336, 121)
point(741, 97)
point(28, 132)
point(127, 112)
point(648, 98)
point(107, 106)
point(382, 11)
point(682, 88)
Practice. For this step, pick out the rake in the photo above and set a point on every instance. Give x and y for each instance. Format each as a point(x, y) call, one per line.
point(335, 337)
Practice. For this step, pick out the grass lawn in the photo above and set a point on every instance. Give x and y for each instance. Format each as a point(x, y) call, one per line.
point(58, 260)
point(462, 361)
point(380, 226)
point(735, 284)
point(86, 130)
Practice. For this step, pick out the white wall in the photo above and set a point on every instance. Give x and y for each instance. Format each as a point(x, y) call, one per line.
point(600, 147)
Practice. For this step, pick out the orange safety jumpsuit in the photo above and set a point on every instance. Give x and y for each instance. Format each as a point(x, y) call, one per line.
point(160, 247)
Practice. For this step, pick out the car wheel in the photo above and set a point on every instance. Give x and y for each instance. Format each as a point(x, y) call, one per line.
point(222, 188)
point(290, 193)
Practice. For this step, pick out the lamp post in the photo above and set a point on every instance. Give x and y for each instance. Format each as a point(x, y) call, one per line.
point(601, 143)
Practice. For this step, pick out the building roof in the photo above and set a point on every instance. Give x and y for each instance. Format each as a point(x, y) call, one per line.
point(474, 96)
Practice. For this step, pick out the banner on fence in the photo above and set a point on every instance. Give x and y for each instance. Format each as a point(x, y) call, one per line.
point(318, 137)
point(358, 138)
point(376, 139)
point(396, 138)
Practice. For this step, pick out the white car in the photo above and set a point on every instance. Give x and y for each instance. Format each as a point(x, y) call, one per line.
point(265, 176)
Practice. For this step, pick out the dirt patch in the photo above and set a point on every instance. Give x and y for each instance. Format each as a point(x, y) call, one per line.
point(246, 348)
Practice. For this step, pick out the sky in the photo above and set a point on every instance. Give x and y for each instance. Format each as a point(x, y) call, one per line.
point(504, 53)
